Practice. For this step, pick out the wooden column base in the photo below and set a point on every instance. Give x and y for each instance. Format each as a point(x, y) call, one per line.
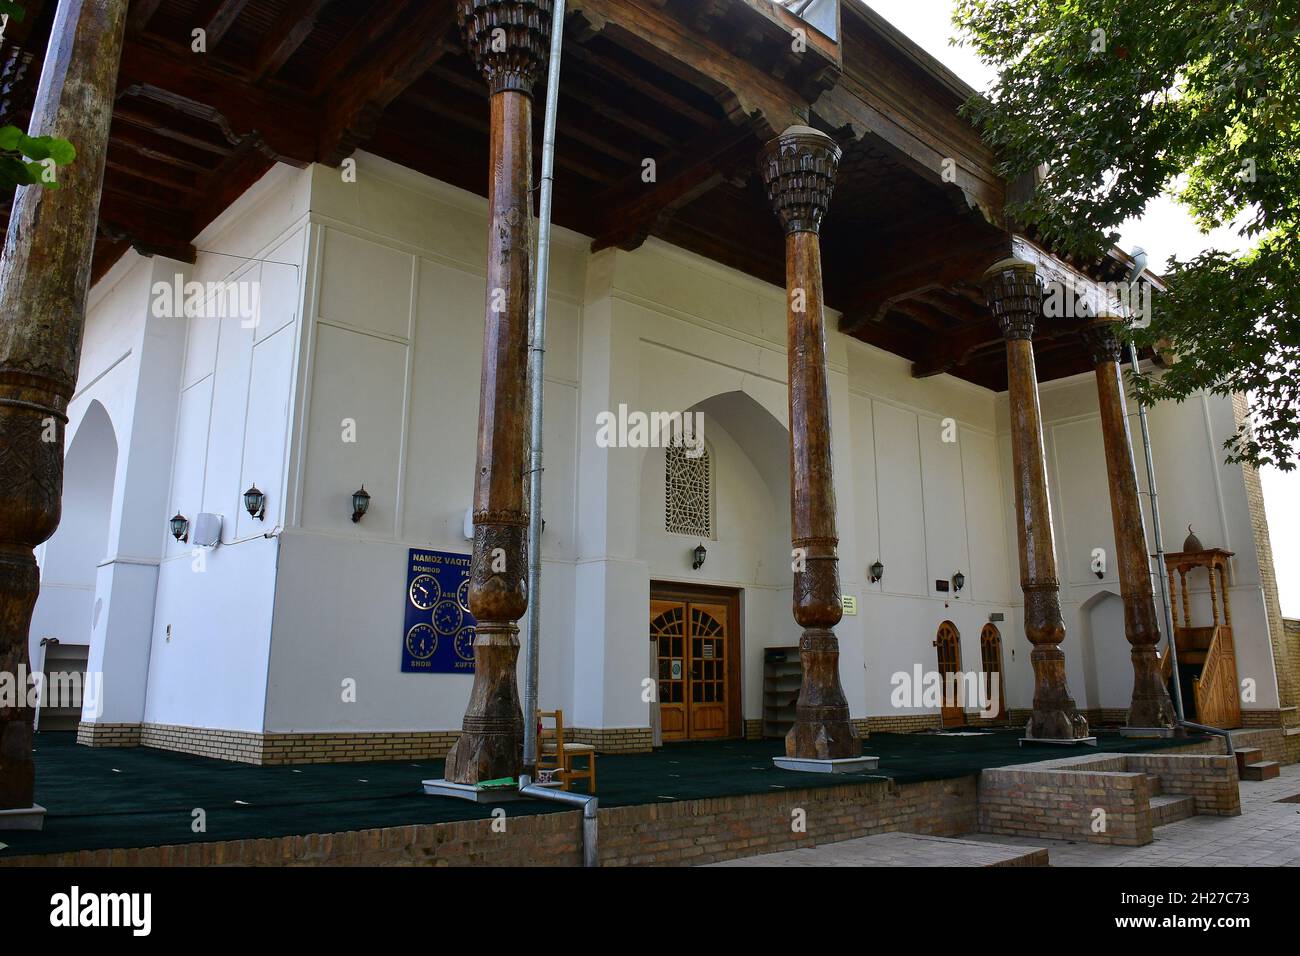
point(1055, 716)
point(1151, 705)
point(491, 744)
point(822, 730)
point(19, 584)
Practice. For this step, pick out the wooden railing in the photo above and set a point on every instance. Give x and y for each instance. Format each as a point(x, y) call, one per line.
point(1217, 700)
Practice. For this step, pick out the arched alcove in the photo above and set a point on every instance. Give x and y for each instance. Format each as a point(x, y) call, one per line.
point(66, 608)
point(1105, 653)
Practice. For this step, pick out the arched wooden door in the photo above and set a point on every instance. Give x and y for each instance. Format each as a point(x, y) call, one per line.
point(948, 643)
point(991, 666)
point(697, 653)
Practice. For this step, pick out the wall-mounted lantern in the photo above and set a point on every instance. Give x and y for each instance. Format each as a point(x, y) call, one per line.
point(958, 581)
point(255, 502)
point(876, 571)
point(180, 527)
point(360, 503)
point(700, 554)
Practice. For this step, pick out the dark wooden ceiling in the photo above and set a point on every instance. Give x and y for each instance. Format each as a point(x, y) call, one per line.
point(695, 86)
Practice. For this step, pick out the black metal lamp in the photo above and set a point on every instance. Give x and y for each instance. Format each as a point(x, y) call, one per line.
point(700, 555)
point(877, 571)
point(180, 526)
point(255, 502)
point(360, 503)
point(958, 581)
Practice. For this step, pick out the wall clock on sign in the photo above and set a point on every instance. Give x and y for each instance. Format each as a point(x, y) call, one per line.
point(425, 592)
point(421, 642)
point(448, 617)
point(462, 595)
point(464, 644)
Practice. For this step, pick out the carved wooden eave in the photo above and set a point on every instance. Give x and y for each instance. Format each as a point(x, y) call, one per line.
point(695, 85)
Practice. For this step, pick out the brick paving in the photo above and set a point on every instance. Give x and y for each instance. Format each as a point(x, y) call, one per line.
point(901, 849)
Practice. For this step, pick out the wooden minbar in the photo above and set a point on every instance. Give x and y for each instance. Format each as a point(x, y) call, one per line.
point(44, 280)
point(1206, 654)
point(1150, 708)
point(798, 170)
point(510, 43)
point(1015, 296)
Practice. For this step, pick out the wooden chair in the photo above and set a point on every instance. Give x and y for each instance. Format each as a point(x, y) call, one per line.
point(555, 753)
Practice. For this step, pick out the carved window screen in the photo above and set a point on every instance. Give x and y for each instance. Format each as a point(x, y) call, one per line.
point(688, 492)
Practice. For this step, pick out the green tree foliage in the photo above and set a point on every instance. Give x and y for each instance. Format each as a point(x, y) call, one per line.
point(1122, 100)
point(29, 160)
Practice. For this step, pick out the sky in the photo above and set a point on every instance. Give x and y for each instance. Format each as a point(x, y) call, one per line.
point(1164, 230)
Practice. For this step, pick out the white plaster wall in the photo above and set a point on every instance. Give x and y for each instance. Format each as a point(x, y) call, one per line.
point(395, 301)
point(211, 625)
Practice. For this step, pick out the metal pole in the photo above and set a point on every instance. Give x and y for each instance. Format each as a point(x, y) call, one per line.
point(1171, 646)
point(536, 366)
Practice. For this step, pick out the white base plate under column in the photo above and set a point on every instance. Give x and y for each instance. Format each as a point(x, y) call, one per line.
point(1146, 731)
point(1060, 741)
point(467, 791)
point(23, 818)
point(839, 765)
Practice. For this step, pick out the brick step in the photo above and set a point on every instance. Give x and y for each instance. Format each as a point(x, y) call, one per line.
point(1244, 756)
point(1171, 808)
point(1154, 786)
point(1262, 770)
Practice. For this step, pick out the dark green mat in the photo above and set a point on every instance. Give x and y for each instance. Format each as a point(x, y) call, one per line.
point(99, 798)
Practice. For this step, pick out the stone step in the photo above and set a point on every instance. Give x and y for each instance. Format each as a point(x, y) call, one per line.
point(1171, 809)
point(1244, 756)
point(1261, 770)
point(1154, 786)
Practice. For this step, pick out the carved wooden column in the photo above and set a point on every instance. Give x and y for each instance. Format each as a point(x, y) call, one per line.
point(509, 40)
point(1151, 706)
point(798, 169)
point(44, 279)
point(1015, 295)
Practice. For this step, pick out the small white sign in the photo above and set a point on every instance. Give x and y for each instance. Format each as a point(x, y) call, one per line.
point(849, 603)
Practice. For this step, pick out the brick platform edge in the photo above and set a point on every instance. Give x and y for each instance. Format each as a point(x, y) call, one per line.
point(270, 749)
point(686, 832)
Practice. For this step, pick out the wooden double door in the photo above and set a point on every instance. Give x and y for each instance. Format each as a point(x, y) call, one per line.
point(695, 652)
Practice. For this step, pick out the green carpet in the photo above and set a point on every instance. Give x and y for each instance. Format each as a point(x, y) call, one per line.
point(100, 798)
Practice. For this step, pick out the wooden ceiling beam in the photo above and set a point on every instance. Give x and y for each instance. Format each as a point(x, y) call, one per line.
point(140, 14)
point(216, 17)
point(370, 28)
point(637, 208)
point(360, 97)
point(636, 81)
point(284, 126)
point(181, 129)
point(291, 29)
point(742, 90)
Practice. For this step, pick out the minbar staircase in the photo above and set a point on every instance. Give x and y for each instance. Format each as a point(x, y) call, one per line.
point(1250, 767)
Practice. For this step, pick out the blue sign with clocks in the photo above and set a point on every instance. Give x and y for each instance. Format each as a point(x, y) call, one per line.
point(438, 631)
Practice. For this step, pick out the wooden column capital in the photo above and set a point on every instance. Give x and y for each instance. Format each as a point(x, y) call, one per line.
point(510, 40)
point(1015, 295)
point(798, 169)
point(1102, 340)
